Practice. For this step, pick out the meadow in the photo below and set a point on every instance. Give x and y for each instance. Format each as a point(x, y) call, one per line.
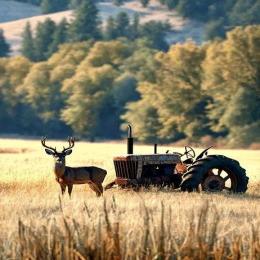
point(37, 223)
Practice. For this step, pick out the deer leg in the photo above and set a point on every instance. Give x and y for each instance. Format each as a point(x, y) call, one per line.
point(63, 188)
point(94, 187)
point(70, 187)
point(100, 187)
point(110, 185)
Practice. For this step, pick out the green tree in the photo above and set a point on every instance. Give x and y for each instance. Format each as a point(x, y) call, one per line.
point(245, 12)
point(124, 91)
point(52, 6)
point(59, 36)
point(215, 29)
point(4, 46)
point(155, 32)
point(86, 23)
point(144, 2)
point(145, 119)
point(47, 7)
point(75, 3)
point(243, 121)
point(171, 4)
point(96, 92)
point(89, 108)
point(122, 24)
point(110, 29)
point(134, 28)
point(44, 39)
point(142, 62)
point(28, 43)
point(118, 2)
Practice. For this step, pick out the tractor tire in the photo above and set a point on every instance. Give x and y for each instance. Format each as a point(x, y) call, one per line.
point(201, 172)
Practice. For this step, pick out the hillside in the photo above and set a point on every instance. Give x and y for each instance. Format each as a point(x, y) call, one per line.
point(12, 10)
point(182, 29)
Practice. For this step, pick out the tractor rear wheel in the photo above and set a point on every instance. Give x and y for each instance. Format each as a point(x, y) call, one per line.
point(215, 173)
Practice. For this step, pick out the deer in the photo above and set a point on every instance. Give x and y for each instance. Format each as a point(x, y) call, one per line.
point(68, 176)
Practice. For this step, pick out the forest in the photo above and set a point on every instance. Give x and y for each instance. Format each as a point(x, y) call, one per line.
point(80, 79)
point(219, 16)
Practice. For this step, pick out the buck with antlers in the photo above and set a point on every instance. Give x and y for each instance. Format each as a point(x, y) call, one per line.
point(68, 176)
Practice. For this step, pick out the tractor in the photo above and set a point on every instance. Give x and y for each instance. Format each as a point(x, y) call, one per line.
point(210, 173)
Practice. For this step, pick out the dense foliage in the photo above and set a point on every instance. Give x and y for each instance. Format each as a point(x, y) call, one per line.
point(41, 44)
point(93, 88)
point(49, 6)
point(219, 16)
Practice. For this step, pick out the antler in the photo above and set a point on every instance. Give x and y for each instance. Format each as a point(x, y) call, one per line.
point(43, 140)
point(71, 141)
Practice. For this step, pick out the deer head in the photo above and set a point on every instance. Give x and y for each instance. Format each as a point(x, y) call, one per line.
point(59, 156)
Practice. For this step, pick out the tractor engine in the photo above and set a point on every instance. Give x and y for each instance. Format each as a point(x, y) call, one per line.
point(147, 169)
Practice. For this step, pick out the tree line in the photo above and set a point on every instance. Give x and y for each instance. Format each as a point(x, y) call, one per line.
point(52, 6)
point(93, 88)
point(219, 16)
point(41, 44)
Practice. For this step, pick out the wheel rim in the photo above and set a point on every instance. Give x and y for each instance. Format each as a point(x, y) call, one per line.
point(219, 179)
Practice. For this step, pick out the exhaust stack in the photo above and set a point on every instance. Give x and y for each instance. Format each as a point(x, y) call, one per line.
point(155, 148)
point(130, 141)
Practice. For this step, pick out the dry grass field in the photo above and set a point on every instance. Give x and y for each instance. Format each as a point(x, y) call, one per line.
point(36, 223)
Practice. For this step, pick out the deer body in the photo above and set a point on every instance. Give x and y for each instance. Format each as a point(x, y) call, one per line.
point(93, 176)
point(68, 176)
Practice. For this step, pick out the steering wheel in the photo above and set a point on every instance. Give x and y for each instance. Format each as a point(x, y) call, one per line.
point(189, 152)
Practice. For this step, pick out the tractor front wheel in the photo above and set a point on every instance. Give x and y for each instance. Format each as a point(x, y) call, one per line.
point(215, 173)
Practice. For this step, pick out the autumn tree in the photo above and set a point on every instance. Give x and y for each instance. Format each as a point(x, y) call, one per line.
point(92, 105)
point(44, 99)
point(15, 115)
point(175, 97)
point(88, 106)
point(232, 77)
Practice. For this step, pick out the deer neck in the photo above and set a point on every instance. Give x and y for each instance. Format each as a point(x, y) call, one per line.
point(59, 169)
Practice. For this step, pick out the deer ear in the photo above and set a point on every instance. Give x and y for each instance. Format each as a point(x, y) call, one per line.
point(68, 152)
point(50, 152)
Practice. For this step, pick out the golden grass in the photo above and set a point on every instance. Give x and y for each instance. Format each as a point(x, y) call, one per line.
point(36, 223)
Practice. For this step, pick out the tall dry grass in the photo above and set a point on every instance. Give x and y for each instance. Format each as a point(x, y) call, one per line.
point(36, 223)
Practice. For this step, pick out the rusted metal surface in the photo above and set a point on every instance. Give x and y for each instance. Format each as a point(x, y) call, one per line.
point(126, 169)
point(121, 181)
point(151, 158)
point(181, 168)
point(131, 166)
